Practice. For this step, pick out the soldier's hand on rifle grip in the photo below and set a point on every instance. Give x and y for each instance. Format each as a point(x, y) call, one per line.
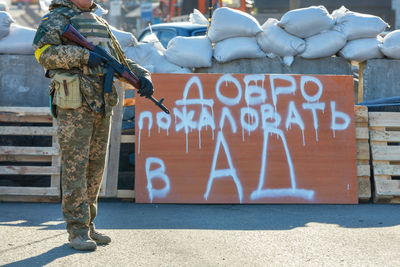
point(95, 59)
point(146, 87)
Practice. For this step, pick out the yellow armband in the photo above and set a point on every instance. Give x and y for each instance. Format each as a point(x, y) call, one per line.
point(39, 51)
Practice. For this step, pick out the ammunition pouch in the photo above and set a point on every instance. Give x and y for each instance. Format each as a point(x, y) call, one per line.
point(65, 91)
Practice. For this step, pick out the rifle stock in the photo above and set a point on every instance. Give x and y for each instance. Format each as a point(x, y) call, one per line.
point(114, 66)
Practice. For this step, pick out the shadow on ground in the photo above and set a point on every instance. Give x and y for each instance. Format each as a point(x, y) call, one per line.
point(47, 257)
point(125, 215)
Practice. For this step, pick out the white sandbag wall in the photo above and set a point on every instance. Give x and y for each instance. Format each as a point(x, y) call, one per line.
point(238, 47)
point(309, 33)
point(148, 55)
point(18, 41)
point(5, 22)
point(306, 22)
point(390, 46)
point(190, 52)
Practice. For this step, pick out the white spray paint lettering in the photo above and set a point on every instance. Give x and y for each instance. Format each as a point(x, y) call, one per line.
point(250, 121)
point(186, 117)
point(337, 126)
point(143, 115)
point(158, 173)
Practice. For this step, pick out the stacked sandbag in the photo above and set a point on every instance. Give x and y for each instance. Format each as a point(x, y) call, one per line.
point(238, 47)
point(190, 52)
point(151, 56)
point(233, 33)
point(324, 44)
point(306, 22)
point(357, 25)
point(125, 39)
point(390, 46)
point(274, 39)
point(18, 41)
point(198, 18)
point(227, 23)
point(362, 49)
point(306, 32)
point(5, 22)
point(362, 33)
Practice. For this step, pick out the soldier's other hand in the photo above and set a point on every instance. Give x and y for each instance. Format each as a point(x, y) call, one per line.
point(146, 87)
point(95, 59)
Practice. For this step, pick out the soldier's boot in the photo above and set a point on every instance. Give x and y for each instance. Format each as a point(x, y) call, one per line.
point(82, 242)
point(99, 238)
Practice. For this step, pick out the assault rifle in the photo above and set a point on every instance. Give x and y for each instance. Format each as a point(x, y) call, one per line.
point(112, 64)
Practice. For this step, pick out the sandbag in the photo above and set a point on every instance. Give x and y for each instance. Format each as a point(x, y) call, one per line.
point(324, 44)
point(100, 11)
point(228, 23)
point(5, 22)
point(124, 38)
point(146, 54)
point(198, 18)
point(357, 25)
point(191, 52)
point(306, 22)
point(273, 39)
point(391, 45)
point(19, 41)
point(152, 38)
point(235, 48)
point(362, 49)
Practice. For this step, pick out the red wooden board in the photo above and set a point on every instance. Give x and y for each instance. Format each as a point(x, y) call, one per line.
point(237, 138)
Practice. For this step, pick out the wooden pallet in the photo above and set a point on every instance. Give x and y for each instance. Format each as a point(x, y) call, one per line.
point(385, 149)
point(363, 153)
point(109, 186)
point(22, 156)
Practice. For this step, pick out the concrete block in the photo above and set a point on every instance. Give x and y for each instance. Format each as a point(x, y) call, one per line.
point(328, 65)
point(380, 78)
point(22, 82)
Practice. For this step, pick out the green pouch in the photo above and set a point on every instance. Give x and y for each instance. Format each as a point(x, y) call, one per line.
point(67, 93)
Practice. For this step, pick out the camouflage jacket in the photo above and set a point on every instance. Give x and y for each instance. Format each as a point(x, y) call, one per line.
point(57, 56)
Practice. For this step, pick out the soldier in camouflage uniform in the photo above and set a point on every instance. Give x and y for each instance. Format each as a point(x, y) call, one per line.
point(82, 109)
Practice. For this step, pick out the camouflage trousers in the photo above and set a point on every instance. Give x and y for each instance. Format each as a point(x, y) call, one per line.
point(83, 136)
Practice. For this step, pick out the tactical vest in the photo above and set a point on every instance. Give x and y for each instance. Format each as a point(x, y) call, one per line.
point(96, 33)
point(94, 30)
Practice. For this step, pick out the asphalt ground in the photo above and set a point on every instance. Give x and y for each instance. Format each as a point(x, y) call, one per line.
point(34, 234)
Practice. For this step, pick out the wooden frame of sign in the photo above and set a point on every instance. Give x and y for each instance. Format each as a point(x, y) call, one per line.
point(247, 138)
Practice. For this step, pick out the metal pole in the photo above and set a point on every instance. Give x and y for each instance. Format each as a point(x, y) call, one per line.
point(210, 8)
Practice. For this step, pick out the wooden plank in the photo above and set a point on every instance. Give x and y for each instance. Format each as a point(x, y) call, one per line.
point(56, 161)
point(362, 133)
point(387, 187)
point(40, 151)
point(384, 169)
point(16, 118)
point(29, 170)
point(364, 188)
point(111, 182)
point(19, 158)
point(363, 170)
point(37, 191)
point(126, 193)
point(362, 149)
point(360, 114)
point(28, 130)
point(390, 153)
point(385, 136)
point(384, 119)
point(127, 139)
point(25, 111)
point(360, 93)
point(28, 198)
